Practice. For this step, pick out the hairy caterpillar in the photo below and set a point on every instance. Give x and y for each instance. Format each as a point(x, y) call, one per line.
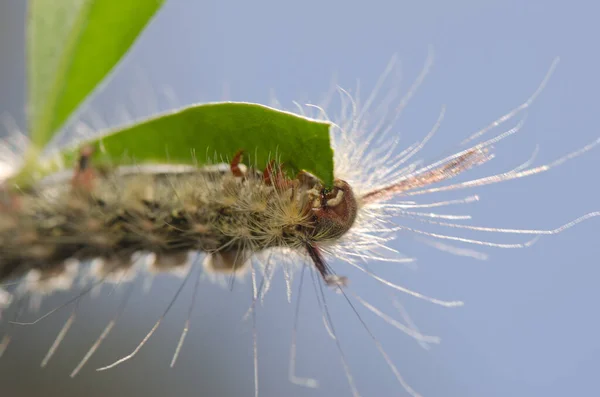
point(245, 218)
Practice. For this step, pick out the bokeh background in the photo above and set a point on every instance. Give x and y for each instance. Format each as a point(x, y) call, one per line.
point(530, 325)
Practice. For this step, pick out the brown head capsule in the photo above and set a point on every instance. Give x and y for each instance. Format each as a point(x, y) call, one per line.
point(334, 210)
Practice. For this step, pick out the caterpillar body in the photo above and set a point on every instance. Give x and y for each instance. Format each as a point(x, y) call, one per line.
point(243, 218)
point(229, 215)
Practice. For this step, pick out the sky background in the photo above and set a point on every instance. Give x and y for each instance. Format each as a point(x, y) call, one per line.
point(530, 325)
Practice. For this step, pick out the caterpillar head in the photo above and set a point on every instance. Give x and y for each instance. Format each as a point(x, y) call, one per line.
point(334, 210)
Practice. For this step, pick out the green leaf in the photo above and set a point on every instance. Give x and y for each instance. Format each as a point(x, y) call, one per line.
point(71, 46)
point(194, 135)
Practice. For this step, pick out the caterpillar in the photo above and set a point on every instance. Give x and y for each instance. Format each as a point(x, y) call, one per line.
point(235, 219)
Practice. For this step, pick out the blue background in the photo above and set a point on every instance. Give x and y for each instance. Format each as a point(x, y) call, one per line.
point(530, 325)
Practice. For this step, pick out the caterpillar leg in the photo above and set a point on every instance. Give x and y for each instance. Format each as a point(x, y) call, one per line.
point(84, 175)
point(273, 175)
point(235, 164)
